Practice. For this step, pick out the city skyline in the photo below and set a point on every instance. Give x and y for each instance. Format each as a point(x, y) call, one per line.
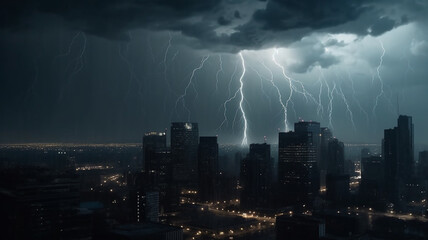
point(214, 119)
point(309, 187)
point(164, 133)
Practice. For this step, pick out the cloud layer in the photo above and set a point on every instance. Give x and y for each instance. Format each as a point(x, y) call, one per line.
point(219, 25)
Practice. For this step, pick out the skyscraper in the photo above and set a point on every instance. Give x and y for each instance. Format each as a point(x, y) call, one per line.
point(337, 188)
point(158, 169)
point(256, 176)
point(38, 203)
point(398, 153)
point(423, 165)
point(335, 157)
point(406, 147)
point(326, 136)
point(184, 152)
point(152, 141)
point(310, 127)
point(208, 168)
point(372, 178)
point(298, 174)
point(337, 183)
point(422, 170)
point(144, 199)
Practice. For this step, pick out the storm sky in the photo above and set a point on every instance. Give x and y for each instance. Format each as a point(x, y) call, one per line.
point(108, 71)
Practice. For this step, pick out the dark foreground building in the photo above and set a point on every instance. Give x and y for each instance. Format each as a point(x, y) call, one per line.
point(208, 168)
point(398, 153)
point(184, 153)
point(145, 231)
point(298, 174)
point(372, 179)
point(256, 176)
point(39, 204)
point(299, 227)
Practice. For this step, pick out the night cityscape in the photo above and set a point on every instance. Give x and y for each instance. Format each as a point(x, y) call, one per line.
point(186, 120)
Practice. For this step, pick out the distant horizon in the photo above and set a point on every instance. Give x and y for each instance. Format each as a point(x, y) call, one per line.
point(139, 143)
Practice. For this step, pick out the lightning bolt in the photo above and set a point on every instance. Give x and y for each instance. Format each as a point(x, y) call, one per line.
point(224, 105)
point(320, 108)
point(261, 86)
point(149, 43)
point(321, 80)
point(356, 100)
point(373, 76)
point(164, 62)
point(379, 77)
point(68, 52)
point(294, 85)
point(175, 56)
point(182, 97)
point(165, 70)
point(290, 86)
point(330, 103)
point(220, 70)
point(235, 116)
point(132, 75)
point(284, 107)
point(225, 120)
point(348, 108)
point(231, 78)
point(78, 61)
point(241, 107)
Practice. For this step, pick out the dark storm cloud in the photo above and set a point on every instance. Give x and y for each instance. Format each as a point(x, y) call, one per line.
point(289, 21)
point(237, 14)
point(223, 21)
point(334, 42)
point(381, 26)
point(311, 53)
point(284, 15)
point(276, 22)
point(110, 19)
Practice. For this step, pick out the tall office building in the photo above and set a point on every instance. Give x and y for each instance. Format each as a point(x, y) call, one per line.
point(310, 127)
point(256, 176)
point(390, 145)
point(152, 141)
point(326, 136)
point(314, 129)
point(38, 204)
point(398, 151)
point(422, 170)
point(146, 230)
point(147, 206)
point(337, 183)
point(144, 199)
point(372, 178)
point(184, 152)
point(337, 188)
point(299, 227)
point(158, 168)
point(423, 165)
point(298, 173)
point(406, 147)
point(208, 168)
point(335, 157)
point(365, 153)
point(160, 176)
